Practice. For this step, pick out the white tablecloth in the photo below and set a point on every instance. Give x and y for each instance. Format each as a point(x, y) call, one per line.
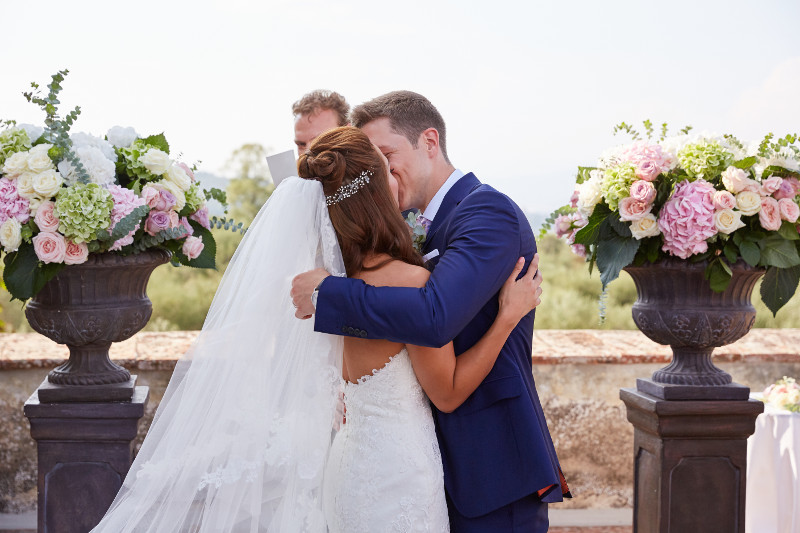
point(773, 473)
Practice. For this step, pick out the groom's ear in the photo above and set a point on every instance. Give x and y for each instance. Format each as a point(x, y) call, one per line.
point(429, 139)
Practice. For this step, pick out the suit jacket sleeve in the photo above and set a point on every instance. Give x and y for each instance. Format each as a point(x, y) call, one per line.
point(484, 245)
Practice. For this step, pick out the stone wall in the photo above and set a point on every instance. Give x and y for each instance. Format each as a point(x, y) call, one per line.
point(578, 375)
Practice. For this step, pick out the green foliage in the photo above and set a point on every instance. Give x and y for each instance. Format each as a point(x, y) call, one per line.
point(614, 251)
point(778, 285)
point(228, 225)
point(124, 226)
point(206, 259)
point(57, 128)
point(22, 275)
point(216, 194)
point(547, 225)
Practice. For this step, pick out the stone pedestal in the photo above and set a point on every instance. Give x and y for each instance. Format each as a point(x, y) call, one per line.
point(84, 453)
point(690, 462)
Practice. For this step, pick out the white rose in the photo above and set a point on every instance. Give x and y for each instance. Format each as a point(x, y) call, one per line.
point(589, 193)
point(15, 164)
point(647, 226)
point(727, 221)
point(748, 202)
point(10, 234)
point(47, 183)
point(180, 198)
point(34, 132)
point(155, 161)
point(25, 185)
point(34, 203)
point(121, 137)
point(39, 161)
point(179, 177)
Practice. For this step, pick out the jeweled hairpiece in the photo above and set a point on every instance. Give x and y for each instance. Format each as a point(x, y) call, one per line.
point(349, 189)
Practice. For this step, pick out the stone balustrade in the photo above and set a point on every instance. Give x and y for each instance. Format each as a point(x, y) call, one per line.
point(578, 375)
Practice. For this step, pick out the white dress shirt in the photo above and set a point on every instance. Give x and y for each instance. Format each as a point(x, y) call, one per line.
point(436, 201)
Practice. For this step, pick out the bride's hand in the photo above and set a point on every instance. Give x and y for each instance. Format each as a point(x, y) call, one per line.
point(520, 297)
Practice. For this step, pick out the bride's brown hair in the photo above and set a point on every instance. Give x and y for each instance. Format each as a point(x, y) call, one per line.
point(369, 220)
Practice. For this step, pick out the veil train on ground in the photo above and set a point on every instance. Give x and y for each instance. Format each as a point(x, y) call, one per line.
point(241, 437)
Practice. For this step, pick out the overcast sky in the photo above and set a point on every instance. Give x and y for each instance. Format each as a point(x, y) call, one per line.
point(529, 89)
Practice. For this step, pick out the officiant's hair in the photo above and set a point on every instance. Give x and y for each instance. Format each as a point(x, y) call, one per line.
point(409, 114)
point(318, 100)
point(368, 221)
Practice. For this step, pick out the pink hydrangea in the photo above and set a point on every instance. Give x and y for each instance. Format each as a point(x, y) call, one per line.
point(125, 201)
point(12, 205)
point(650, 160)
point(687, 219)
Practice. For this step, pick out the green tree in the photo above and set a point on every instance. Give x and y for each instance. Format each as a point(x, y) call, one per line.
point(250, 184)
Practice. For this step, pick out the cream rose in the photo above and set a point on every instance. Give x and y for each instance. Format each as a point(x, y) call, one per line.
point(16, 164)
point(25, 185)
point(647, 226)
point(11, 234)
point(748, 202)
point(47, 183)
point(789, 210)
point(39, 161)
point(76, 253)
point(179, 177)
point(155, 161)
point(727, 221)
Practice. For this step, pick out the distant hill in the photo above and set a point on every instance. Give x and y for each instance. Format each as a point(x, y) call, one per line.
point(536, 220)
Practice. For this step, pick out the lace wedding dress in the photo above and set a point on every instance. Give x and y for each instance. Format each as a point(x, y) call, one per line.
point(384, 472)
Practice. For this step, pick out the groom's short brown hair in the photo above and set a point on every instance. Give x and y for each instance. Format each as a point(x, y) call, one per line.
point(408, 112)
point(316, 101)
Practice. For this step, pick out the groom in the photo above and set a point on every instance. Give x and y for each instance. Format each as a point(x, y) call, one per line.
point(500, 467)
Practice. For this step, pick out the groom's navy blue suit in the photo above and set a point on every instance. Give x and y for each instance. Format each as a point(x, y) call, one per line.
point(496, 447)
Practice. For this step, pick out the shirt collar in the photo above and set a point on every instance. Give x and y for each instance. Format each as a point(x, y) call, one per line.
point(436, 201)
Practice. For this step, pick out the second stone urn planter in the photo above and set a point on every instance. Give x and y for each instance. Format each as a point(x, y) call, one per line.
point(88, 307)
point(677, 307)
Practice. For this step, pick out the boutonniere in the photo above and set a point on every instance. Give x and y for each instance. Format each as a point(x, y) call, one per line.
point(418, 230)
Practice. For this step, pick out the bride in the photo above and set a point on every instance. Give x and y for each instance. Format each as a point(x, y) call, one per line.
point(242, 442)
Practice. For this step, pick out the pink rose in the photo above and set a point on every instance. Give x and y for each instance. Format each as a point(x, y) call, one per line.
point(50, 247)
point(787, 190)
point(158, 199)
point(789, 210)
point(76, 253)
point(188, 170)
point(770, 214)
point(201, 217)
point(632, 209)
point(187, 226)
point(647, 171)
point(46, 218)
point(752, 186)
point(724, 200)
point(687, 219)
point(156, 222)
point(579, 250)
point(573, 200)
point(643, 191)
point(192, 247)
point(650, 160)
point(174, 219)
point(770, 185)
point(563, 225)
point(734, 179)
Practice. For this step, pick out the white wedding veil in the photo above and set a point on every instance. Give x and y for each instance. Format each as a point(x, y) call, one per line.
point(240, 440)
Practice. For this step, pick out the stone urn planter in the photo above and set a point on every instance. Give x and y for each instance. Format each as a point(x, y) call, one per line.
point(677, 307)
point(88, 307)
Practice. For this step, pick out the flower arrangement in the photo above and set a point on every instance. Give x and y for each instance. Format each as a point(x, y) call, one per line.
point(65, 196)
point(695, 197)
point(418, 230)
point(783, 394)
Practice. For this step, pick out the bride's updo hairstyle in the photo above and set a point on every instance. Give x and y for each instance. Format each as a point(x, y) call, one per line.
point(368, 219)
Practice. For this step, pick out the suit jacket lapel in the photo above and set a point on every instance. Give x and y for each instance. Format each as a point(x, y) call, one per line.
point(458, 192)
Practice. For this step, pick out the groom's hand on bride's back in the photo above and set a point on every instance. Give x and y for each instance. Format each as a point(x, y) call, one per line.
point(303, 286)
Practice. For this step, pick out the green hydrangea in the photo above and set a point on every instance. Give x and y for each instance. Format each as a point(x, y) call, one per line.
point(194, 198)
point(82, 210)
point(704, 159)
point(13, 140)
point(129, 161)
point(617, 183)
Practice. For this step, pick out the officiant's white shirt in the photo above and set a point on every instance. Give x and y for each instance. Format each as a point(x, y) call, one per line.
point(436, 201)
